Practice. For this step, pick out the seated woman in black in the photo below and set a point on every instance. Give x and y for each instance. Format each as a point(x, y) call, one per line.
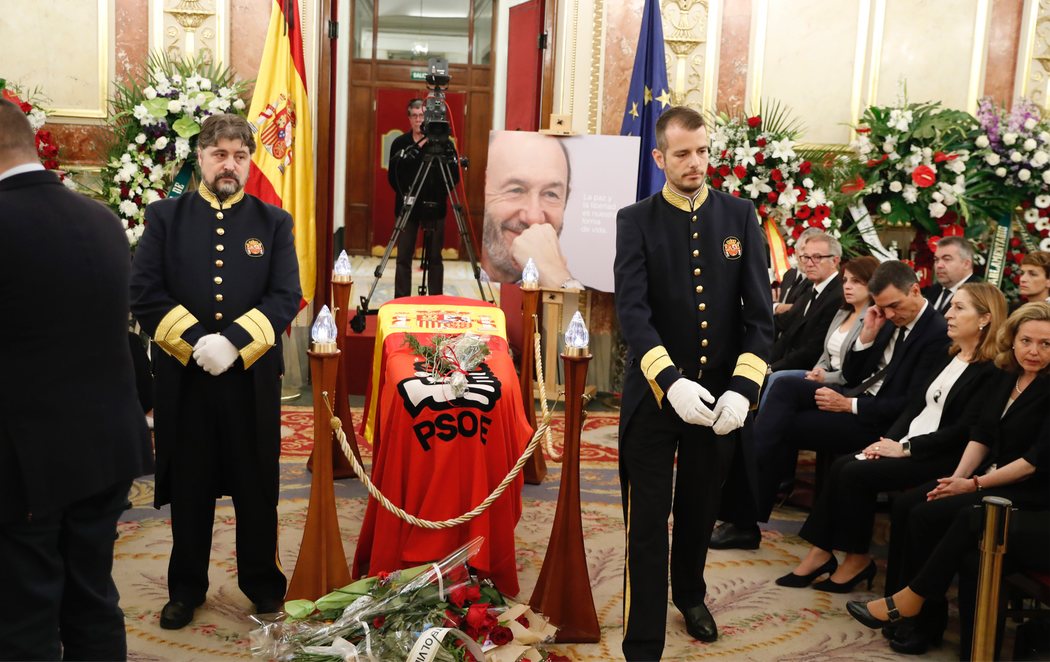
point(925, 442)
point(1002, 459)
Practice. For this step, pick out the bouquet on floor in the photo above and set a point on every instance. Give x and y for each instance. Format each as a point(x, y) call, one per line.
point(437, 611)
point(155, 121)
point(758, 158)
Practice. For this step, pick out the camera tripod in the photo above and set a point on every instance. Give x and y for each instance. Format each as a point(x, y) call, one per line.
point(434, 155)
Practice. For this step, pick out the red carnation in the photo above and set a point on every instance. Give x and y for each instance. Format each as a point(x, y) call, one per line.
point(716, 182)
point(822, 211)
point(924, 176)
point(1018, 256)
point(501, 635)
point(772, 196)
point(740, 171)
point(816, 222)
point(710, 169)
point(760, 158)
point(790, 222)
point(777, 175)
point(754, 122)
point(723, 170)
point(854, 185)
point(803, 212)
point(805, 167)
point(761, 142)
point(798, 230)
point(801, 194)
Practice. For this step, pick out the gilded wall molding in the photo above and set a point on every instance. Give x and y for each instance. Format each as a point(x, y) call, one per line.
point(597, 55)
point(190, 28)
point(691, 34)
point(1033, 62)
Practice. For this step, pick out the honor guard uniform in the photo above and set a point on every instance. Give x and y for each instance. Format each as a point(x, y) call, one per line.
point(205, 267)
point(692, 297)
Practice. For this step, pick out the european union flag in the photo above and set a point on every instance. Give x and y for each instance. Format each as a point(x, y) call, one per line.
point(648, 97)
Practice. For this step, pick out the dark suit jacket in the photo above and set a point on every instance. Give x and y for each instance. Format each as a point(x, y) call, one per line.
point(404, 162)
point(932, 292)
point(802, 341)
point(924, 348)
point(792, 286)
point(70, 421)
point(961, 409)
point(1013, 435)
point(696, 285)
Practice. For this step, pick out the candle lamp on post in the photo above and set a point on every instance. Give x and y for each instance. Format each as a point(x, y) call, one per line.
point(563, 590)
point(536, 467)
point(321, 566)
point(342, 282)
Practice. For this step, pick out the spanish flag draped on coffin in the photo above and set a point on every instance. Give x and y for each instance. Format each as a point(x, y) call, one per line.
point(438, 456)
point(282, 169)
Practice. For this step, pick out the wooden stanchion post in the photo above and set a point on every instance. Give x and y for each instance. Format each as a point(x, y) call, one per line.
point(536, 467)
point(563, 590)
point(321, 566)
point(993, 547)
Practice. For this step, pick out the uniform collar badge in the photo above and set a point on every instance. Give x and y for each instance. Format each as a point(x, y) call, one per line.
point(214, 202)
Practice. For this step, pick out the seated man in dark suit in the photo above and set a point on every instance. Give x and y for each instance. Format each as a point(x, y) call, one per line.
point(888, 362)
point(794, 284)
point(953, 266)
point(805, 325)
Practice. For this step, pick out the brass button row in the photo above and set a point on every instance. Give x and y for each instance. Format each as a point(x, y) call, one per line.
point(218, 215)
point(220, 231)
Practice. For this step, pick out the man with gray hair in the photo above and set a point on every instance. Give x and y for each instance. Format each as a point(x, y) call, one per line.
point(794, 283)
point(952, 266)
point(215, 281)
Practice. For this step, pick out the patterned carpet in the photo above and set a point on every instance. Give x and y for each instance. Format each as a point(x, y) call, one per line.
point(757, 619)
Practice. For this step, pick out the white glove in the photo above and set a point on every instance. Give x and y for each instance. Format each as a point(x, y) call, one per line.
point(687, 397)
point(730, 410)
point(215, 354)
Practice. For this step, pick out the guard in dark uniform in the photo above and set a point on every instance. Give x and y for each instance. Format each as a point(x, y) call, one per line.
point(692, 296)
point(215, 281)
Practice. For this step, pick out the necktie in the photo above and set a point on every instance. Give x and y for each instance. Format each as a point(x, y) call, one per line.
point(898, 347)
point(811, 296)
point(899, 343)
point(943, 300)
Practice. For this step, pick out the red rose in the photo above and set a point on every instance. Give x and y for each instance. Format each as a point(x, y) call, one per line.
point(777, 175)
point(760, 158)
point(805, 167)
point(803, 212)
point(461, 595)
point(522, 620)
point(723, 170)
point(854, 185)
point(762, 211)
point(740, 171)
point(501, 635)
point(761, 142)
point(378, 621)
point(710, 169)
point(754, 122)
point(772, 196)
point(924, 176)
point(716, 182)
point(477, 614)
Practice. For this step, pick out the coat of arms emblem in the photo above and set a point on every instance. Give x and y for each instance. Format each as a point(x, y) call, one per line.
point(274, 126)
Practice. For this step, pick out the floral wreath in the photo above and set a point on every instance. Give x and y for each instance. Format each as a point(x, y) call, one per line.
point(155, 120)
point(31, 104)
point(755, 157)
point(1018, 144)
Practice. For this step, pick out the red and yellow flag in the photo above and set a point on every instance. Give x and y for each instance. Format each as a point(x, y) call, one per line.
point(778, 257)
point(282, 169)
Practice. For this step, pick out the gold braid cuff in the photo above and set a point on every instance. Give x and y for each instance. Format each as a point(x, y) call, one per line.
point(749, 366)
point(652, 364)
point(261, 331)
point(169, 334)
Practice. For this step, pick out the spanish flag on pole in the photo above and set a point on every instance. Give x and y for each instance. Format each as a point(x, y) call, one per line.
point(282, 169)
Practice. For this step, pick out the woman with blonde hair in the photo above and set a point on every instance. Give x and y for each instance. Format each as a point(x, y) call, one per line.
point(1005, 457)
point(926, 441)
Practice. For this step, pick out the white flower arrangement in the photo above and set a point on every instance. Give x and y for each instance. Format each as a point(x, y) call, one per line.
point(155, 121)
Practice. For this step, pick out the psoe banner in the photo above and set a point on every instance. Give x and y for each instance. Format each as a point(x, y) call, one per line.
point(554, 199)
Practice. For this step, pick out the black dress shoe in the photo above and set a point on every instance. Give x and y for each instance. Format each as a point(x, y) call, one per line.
point(268, 606)
point(176, 615)
point(859, 610)
point(731, 536)
point(829, 586)
point(700, 624)
point(914, 640)
point(791, 580)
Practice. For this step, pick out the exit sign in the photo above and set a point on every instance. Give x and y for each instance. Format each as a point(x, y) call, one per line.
point(418, 75)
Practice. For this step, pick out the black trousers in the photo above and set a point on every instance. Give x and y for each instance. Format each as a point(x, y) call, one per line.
point(434, 229)
point(216, 454)
point(651, 492)
point(56, 577)
point(790, 421)
point(843, 515)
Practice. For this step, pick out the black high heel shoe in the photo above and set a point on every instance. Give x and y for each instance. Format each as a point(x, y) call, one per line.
point(791, 580)
point(859, 610)
point(830, 586)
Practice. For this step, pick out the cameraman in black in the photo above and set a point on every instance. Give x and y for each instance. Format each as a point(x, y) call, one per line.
point(406, 158)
